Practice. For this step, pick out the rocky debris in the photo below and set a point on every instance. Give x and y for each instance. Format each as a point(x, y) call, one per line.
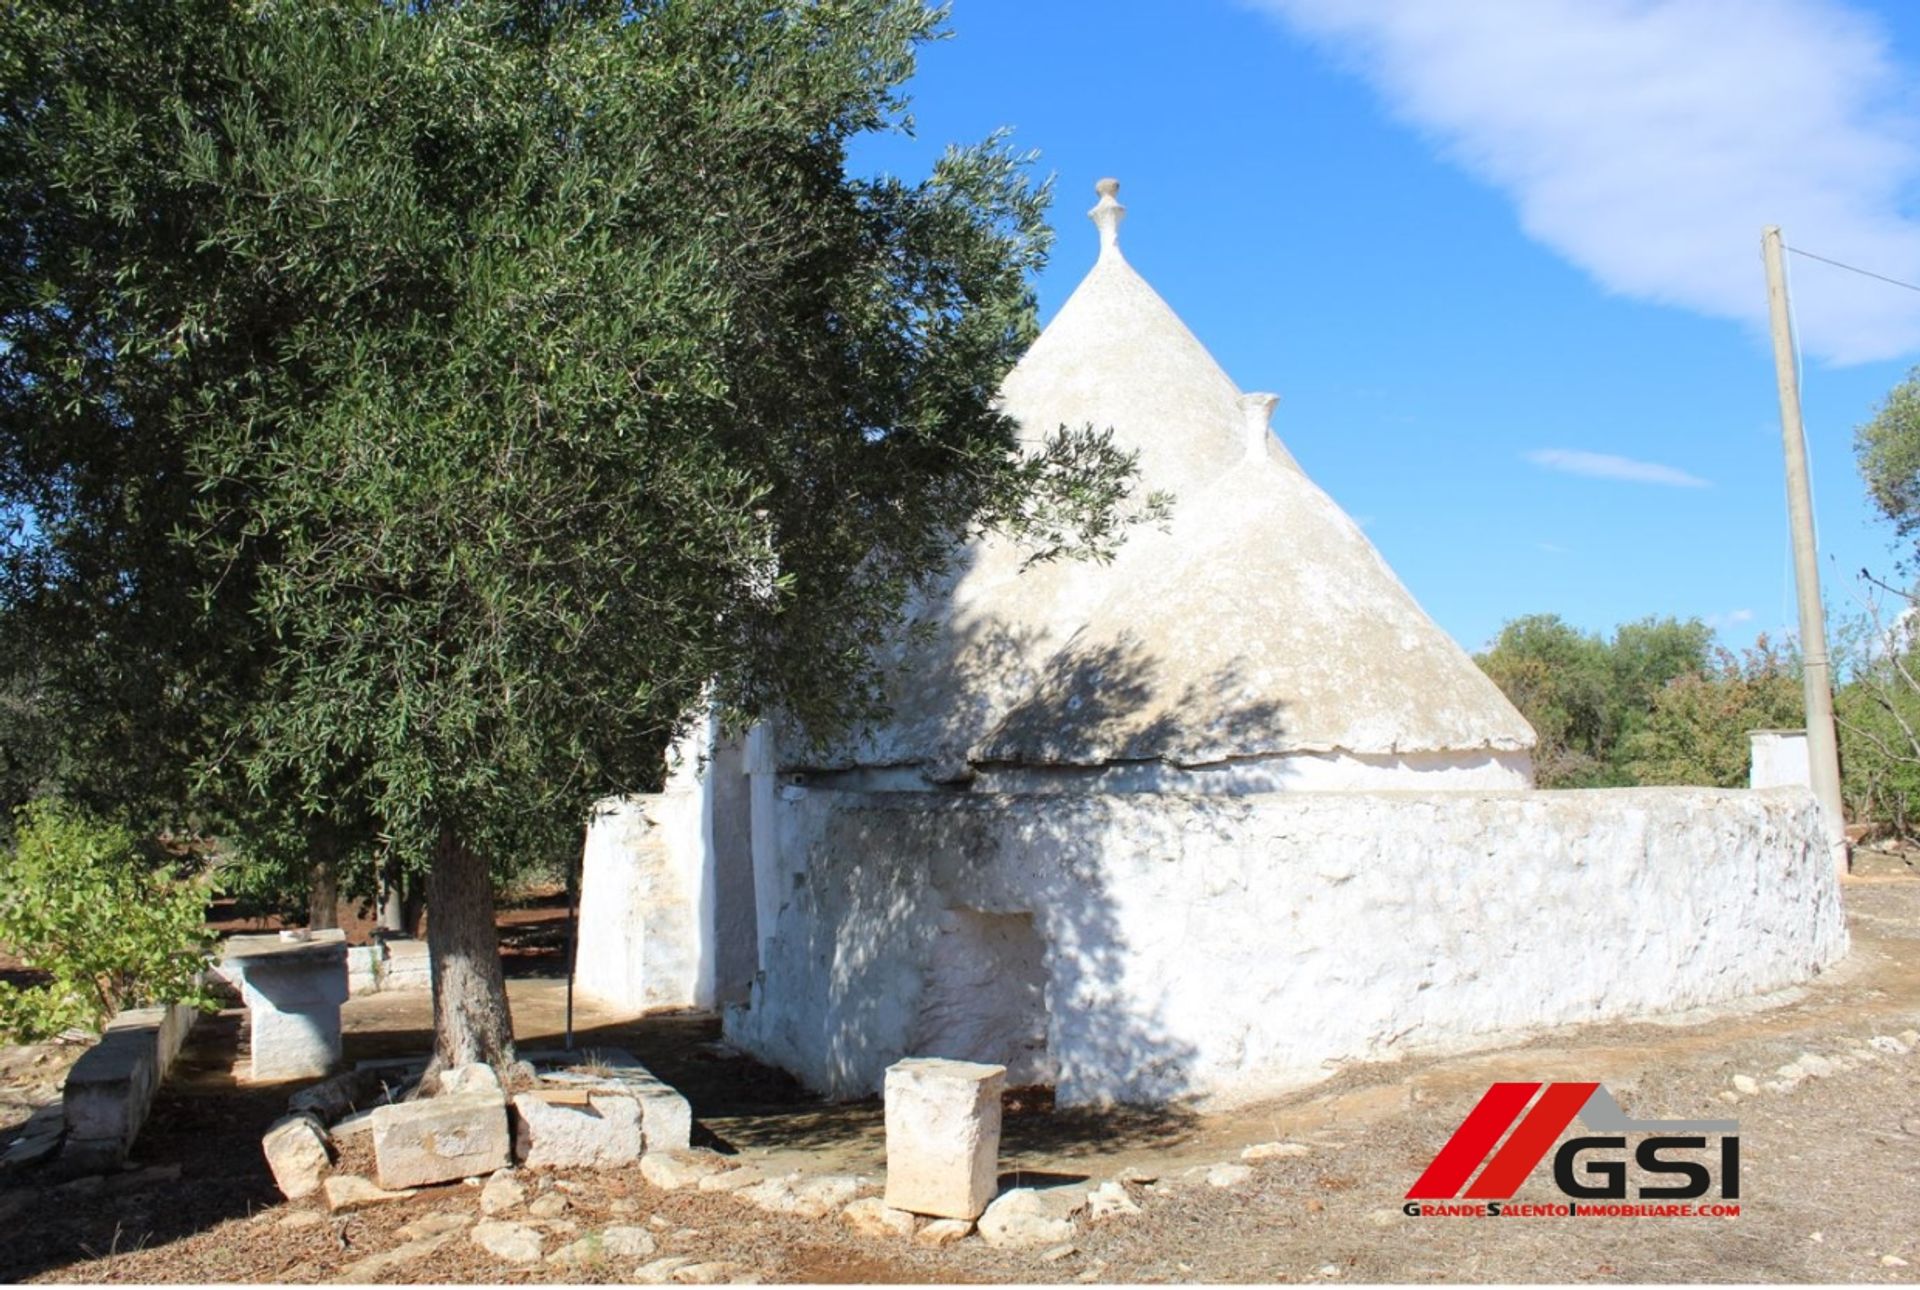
point(733, 1179)
point(476, 1077)
point(513, 1242)
point(335, 1097)
point(585, 1252)
point(39, 1139)
point(1229, 1176)
point(800, 1195)
point(435, 1224)
point(351, 1126)
point(1892, 1261)
point(1275, 1151)
point(300, 1218)
point(1814, 1065)
point(439, 1139)
point(1135, 1174)
point(942, 1232)
point(604, 1133)
point(345, 1193)
point(375, 1266)
point(1059, 1252)
point(873, 1217)
point(503, 1192)
point(551, 1205)
point(711, 1274)
point(1889, 1045)
point(660, 1271)
point(943, 1135)
point(672, 1170)
point(626, 1242)
point(1109, 1200)
point(1746, 1085)
point(1028, 1217)
point(298, 1153)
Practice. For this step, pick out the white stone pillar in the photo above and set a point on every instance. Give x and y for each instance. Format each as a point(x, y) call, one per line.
point(293, 990)
point(943, 1136)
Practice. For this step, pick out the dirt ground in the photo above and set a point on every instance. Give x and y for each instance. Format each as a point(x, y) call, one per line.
point(1830, 1166)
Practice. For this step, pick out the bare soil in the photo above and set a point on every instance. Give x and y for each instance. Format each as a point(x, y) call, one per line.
point(1830, 1165)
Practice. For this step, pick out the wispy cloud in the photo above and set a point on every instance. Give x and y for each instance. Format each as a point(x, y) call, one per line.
point(1732, 618)
point(1648, 141)
point(1552, 548)
point(1600, 465)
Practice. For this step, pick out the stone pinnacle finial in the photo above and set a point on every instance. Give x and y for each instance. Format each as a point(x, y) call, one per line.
point(1107, 214)
point(1256, 416)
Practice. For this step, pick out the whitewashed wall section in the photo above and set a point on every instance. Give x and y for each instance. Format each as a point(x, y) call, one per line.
point(1233, 947)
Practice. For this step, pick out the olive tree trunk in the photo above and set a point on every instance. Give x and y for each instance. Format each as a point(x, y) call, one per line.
point(470, 1018)
point(323, 893)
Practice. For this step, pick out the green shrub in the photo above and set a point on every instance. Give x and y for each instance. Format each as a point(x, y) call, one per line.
point(82, 903)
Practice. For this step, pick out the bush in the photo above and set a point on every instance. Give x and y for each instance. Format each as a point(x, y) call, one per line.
point(1697, 731)
point(80, 902)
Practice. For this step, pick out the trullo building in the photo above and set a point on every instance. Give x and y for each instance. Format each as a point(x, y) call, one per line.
point(1205, 820)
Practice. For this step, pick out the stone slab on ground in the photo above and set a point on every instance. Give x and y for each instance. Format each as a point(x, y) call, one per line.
point(513, 1242)
point(1028, 1217)
point(673, 1170)
point(802, 1195)
point(345, 1193)
point(298, 1154)
point(438, 1139)
point(375, 1266)
point(943, 1231)
point(943, 1136)
point(604, 1134)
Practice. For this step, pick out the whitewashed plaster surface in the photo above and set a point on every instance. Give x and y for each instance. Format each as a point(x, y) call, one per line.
point(1230, 947)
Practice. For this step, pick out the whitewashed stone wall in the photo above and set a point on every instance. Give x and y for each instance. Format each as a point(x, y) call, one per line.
point(1232, 947)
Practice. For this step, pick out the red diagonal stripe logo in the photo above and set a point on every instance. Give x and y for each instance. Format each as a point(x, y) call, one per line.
point(1521, 1152)
point(1472, 1141)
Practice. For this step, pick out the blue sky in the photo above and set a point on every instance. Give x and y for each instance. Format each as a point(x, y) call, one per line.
point(1480, 248)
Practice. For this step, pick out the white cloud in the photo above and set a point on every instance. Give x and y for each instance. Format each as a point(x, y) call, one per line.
point(1600, 465)
point(1648, 141)
point(1732, 618)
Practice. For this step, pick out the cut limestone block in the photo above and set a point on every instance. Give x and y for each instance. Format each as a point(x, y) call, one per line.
point(439, 1139)
point(293, 989)
point(297, 1152)
point(943, 1136)
point(603, 1134)
point(111, 1087)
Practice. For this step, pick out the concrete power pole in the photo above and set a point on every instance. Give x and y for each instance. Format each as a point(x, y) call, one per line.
point(1823, 747)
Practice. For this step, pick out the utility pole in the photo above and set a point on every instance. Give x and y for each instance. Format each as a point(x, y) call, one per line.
point(1823, 747)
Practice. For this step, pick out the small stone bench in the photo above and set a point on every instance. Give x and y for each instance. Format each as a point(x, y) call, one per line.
point(110, 1089)
point(293, 989)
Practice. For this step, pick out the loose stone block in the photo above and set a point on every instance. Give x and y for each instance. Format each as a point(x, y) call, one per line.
point(943, 1136)
point(293, 990)
point(604, 1134)
point(513, 1242)
point(1026, 1218)
point(439, 1139)
point(345, 1193)
point(873, 1217)
point(297, 1152)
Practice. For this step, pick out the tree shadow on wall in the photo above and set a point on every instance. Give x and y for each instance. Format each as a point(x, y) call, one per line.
point(1100, 874)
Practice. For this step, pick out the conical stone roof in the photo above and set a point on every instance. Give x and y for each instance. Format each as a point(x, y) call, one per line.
point(1261, 622)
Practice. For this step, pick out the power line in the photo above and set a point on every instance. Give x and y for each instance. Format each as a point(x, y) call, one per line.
point(1854, 268)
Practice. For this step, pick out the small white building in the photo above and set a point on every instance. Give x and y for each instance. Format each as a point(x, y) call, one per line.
point(1206, 820)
